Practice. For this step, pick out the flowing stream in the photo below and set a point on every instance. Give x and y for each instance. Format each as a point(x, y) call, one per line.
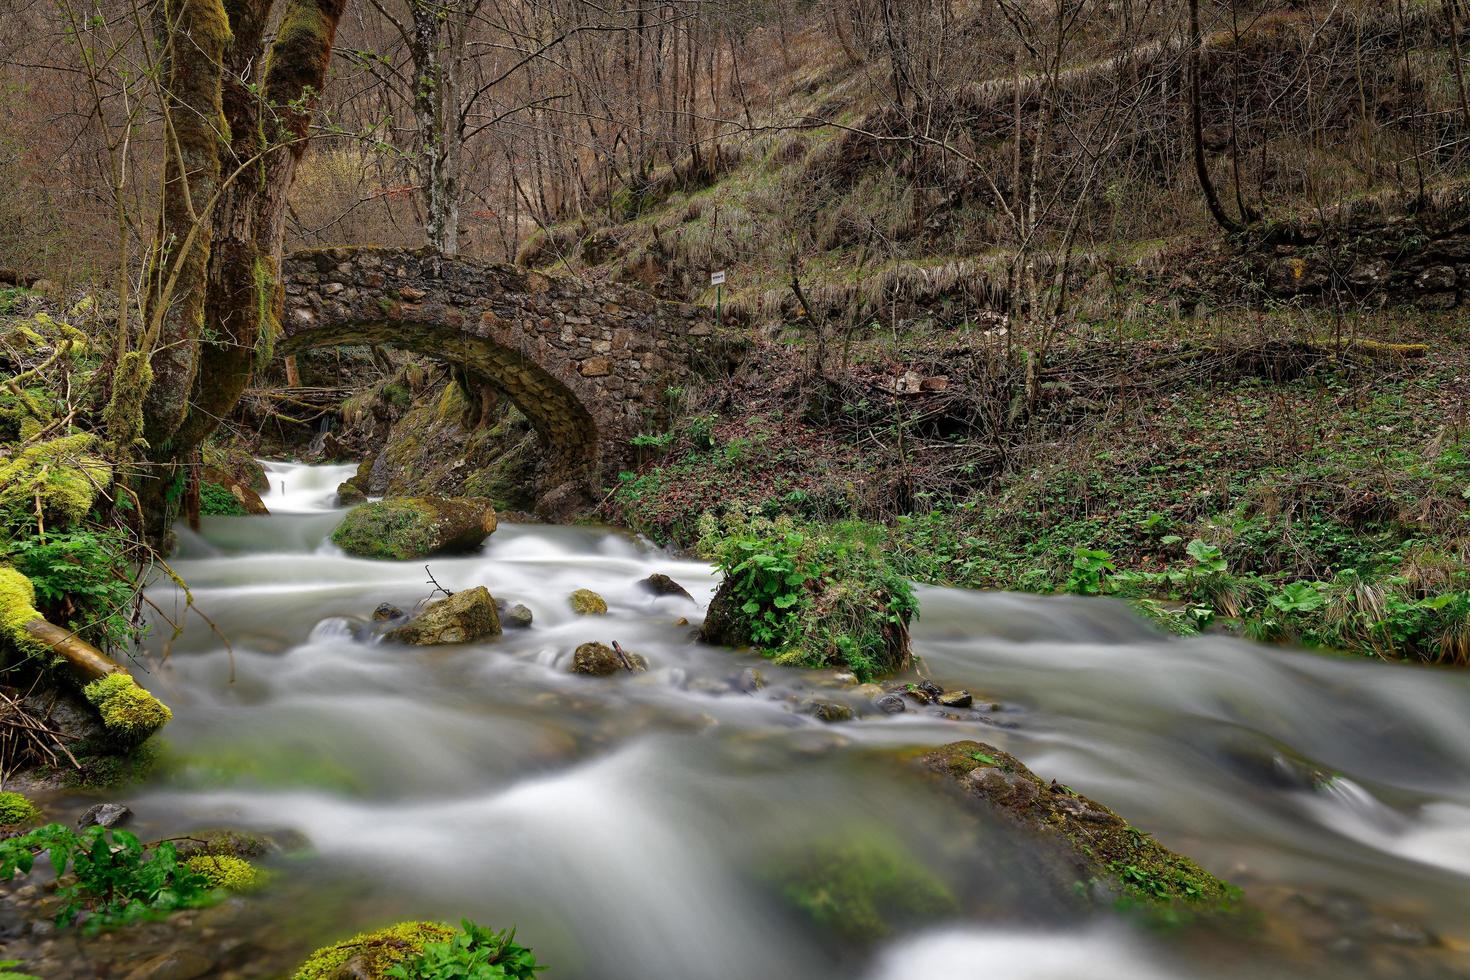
point(640, 826)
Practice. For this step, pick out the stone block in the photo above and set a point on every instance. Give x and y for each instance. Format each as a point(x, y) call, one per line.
point(595, 367)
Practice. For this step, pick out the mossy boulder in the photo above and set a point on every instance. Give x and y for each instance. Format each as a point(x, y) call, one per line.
point(405, 528)
point(129, 713)
point(585, 602)
point(465, 617)
point(16, 809)
point(371, 955)
point(64, 474)
point(1098, 846)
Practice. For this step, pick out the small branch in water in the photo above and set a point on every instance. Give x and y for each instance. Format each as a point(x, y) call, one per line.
point(435, 583)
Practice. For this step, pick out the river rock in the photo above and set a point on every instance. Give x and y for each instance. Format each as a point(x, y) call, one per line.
point(956, 699)
point(517, 616)
point(827, 711)
point(404, 528)
point(890, 704)
point(585, 602)
point(387, 613)
point(1078, 838)
point(660, 584)
point(601, 660)
point(105, 815)
point(464, 617)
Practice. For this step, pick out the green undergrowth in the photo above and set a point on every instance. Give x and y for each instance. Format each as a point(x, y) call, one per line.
point(808, 596)
point(217, 501)
point(107, 878)
point(424, 951)
point(1330, 509)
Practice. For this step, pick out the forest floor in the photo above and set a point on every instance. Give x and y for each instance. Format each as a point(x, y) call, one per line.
point(1248, 473)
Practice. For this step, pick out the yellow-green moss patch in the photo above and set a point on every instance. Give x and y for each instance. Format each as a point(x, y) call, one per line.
point(17, 608)
point(375, 952)
point(130, 713)
point(15, 809)
point(63, 473)
point(585, 602)
point(230, 873)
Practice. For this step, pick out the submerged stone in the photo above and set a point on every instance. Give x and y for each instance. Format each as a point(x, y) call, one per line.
point(518, 616)
point(464, 617)
point(956, 699)
point(404, 528)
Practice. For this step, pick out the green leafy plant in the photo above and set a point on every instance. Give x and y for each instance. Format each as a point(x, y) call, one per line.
point(108, 874)
point(1090, 571)
point(83, 579)
point(473, 953)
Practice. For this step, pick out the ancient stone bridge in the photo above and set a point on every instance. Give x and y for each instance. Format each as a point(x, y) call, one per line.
point(589, 364)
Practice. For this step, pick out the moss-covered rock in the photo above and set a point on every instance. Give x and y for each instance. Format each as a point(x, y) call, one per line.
point(372, 954)
point(405, 528)
point(1104, 848)
point(349, 494)
point(64, 474)
point(15, 808)
point(601, 660)
point(227, 872)
point(817, 597)
point(585, 602)
point(129, 713)
point(464, 617)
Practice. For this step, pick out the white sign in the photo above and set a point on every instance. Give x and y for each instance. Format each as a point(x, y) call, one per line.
point(717, 278)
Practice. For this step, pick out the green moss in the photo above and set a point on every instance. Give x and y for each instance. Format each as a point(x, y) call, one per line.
point(63, 473)
point(123, 416)
point(129, 713)
point(399, 529)
point(230, 873)
point(585, 602)
point(270, 766)
point(103, 768)
point(15, 808)
point(376, 952)
point(865, 889)
point(267, 301)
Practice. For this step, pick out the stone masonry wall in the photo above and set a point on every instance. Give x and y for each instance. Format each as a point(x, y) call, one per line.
point(588, 363)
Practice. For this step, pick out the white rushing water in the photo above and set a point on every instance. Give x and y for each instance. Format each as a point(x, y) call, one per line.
point(639, 826)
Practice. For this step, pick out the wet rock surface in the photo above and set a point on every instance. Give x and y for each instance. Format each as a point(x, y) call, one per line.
point(404, 528)
point(660, 584)
point(464, 617)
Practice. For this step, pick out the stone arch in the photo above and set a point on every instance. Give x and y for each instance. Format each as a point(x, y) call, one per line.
point(587, 363)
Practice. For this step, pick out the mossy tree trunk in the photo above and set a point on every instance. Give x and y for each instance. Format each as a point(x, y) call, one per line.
point(231, 101)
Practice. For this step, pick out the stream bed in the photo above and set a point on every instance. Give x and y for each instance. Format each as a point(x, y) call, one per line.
point(646, 826)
